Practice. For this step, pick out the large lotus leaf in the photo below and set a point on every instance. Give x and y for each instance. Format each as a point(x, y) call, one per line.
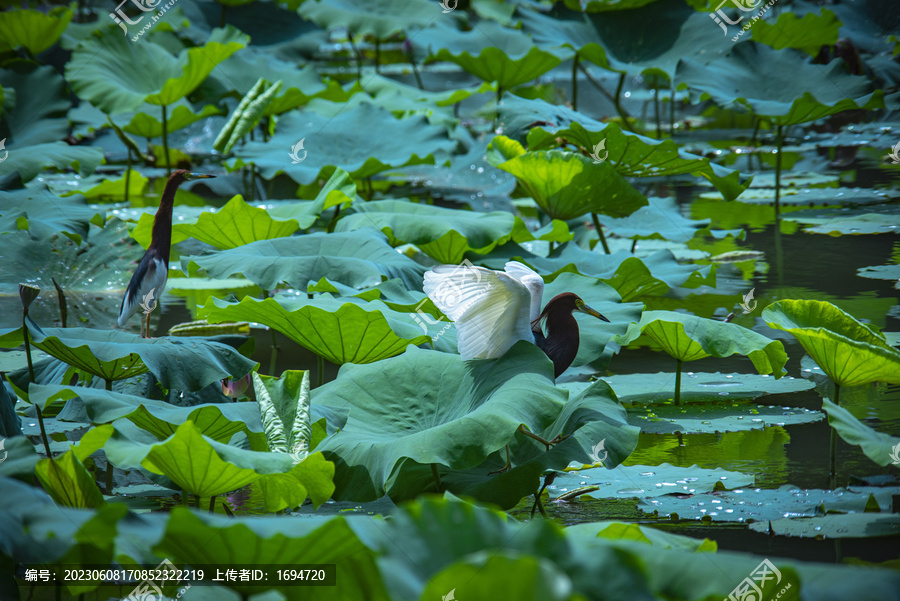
point(195, 538)
point(631, 276)
point(566, 185)
point(241, 71)
point(647, 389)
point(429, 407)
point(688, 338)
point(41, 119)
point(361, 259)
point(345, 141)
point(342, 331)
point(400, 98)
point(850, 352)
point(146, 122)
point(636, 41)
point(595, 334)
point(851, 525)
point(713, 418)
point(239, 223)
point(494, 574)
point(442, 233)
point(379, 18)
point(780, 85)
point(284, 407)
point(218, 421)
point(202, 466)
point(873, 219)
point(632, 155)
point(492, 52)
point(178, 363)
point(643, 481)
point(29, 161)
point(809, 33)
point(102, 70)
point(31, 29)
point(67, 480)
point(879, 447)
point(661, 219)
point(43, 214)
point(880, 272)
point(762, 505)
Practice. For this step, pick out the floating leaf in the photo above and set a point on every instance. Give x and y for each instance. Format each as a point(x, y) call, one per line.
point(642, 481)
point(853, 525)
point(849, 352)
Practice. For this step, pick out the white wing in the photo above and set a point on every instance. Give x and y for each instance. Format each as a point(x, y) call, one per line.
point(491, 308)
point(532, 281)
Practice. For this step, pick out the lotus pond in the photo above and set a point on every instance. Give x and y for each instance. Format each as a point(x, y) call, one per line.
point(720, 180)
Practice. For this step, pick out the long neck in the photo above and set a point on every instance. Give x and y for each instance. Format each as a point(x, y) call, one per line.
point(162, 224)
point(561, 342)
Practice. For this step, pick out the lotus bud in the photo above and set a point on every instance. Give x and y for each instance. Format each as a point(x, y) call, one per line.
point(27, 294)
point(235, 388)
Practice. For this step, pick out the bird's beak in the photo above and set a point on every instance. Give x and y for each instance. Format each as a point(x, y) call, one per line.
point(191, 176)
point(594, 312)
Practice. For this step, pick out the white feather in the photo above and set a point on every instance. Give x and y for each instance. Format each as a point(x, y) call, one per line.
point(492, 309)
point(154, 280)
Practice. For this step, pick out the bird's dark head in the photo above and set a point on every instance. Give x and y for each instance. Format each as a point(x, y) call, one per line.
point(183, 175)
point(566, 304)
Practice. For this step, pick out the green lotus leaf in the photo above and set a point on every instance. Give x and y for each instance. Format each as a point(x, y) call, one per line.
point(362, 258)
point(443, 234)
point(67, 480)
point(242, 70)
point(780, 85)
point(272, 540)
point(42, 119)
point(852, 525)
point(98, 188)
point(715, 418)
point(631, 276)
point(239, 223)
point(180, 363)
point(342, 331)
point(344, 140)
point(380, 19)
point(492, 52)
point(764, 505)
point(34, 30)
point(21, 457)
point(809, 33)
point(566, 185)
point(880, 448)
point(849, 352)
point(597, 6)
point(218, 421)
point(641, 481)
point(631, 155)
point(102, 71)
point(31, 160)
point(880, 272)
point(661, 219)
point(873, 219)
point(400, 98)
point(43, 214)
point(284, 407)
point(147, 124)
point(688, 338)
point(493, 574)
point(204, 467)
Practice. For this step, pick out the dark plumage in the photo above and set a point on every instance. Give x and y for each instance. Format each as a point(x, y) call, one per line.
point(149, 280)
point(562, 339)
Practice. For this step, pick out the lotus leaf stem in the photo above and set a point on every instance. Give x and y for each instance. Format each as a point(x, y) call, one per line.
point(437, 477)
point(40, 417)
point(599, 229)
point(833, 445)
point(677, 381)
point(212, 504)
point(779, 142)
point(320, 370)
point(165, 140)
point(575, 82)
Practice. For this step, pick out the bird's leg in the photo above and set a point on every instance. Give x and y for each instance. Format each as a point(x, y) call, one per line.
point(506, 467)
point(546, 443)
point(145, 326)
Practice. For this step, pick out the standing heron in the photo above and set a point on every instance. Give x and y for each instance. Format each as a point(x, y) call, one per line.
point(495, 309)
point(149, 280)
